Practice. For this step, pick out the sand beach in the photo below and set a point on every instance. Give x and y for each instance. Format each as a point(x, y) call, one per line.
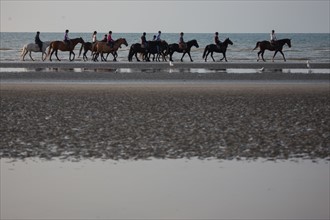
point(196, 141)
point(155, 113)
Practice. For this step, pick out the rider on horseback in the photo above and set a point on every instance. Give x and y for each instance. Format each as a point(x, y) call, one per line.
point(158, 39)
point(94, 37)
point(273, 38)
point(144, 43)
point(216, 40)
point(38, 41)
point(66, 38)
point(110, 41)
point(105, 39)
point(182, 44)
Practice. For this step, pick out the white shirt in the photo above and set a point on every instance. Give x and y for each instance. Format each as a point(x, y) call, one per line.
point(272, 37)
point(94, 38)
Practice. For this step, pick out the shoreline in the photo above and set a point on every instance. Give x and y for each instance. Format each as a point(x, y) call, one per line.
point(166, 65)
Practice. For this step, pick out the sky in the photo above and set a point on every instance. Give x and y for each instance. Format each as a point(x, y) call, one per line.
point(169, 16)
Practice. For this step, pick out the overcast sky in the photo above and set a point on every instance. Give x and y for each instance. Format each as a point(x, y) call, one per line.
point(232, 16)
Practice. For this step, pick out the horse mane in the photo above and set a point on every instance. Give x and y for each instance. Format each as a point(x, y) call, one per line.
point(119, 39)
point(192, 40)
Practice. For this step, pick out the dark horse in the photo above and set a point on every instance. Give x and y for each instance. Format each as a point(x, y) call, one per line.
point(175, 48)
point(160, 48)
point(218, 49)
point(60, 45)
point(277, 47)
point(87, 46)
point(154, 47)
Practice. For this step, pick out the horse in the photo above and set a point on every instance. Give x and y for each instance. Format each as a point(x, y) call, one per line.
point(103, 47)
point(175, 48)
point(135, 49)
point(87, 46)
point(154, 47)
point(32, 47)
point(277, 47)
point(218, 49)
point(160, 48)
point(62, 46)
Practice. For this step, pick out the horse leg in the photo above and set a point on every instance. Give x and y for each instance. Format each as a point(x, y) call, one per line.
point(283, 55)
point(259, 55)
point(171, 57)
point(137, 59)
point(224, 57)
point(114, 56)
point(31, 56)
point(85, 55)
point(164, 57)
point(56, 55)
point(190, 56)
point(184, 53)
point(212, 56)
point(262, 56)
point(102, 57)
point(71, 52)
point(274, 55)
point(207, 54)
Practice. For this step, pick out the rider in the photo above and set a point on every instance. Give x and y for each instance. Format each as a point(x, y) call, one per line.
point(158, 36)
point(273, 38)
point(105, 39)
point(66, 38)
point(144, 43)
point(216, 39)
point(110, 40)
point(94, 37)
point(38, 41)
point(182, 44)
point(158, 39)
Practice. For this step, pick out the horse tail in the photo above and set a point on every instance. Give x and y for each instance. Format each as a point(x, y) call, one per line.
point(82, 45)
point(49, 49)
point(205, 51)
point(257, 45)
point(130, 53)
point(24, 50)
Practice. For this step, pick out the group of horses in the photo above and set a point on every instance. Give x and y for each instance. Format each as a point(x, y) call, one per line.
point(156, 48)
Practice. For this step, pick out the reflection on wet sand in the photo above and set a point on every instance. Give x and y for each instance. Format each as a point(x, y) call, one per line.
point(164, 189)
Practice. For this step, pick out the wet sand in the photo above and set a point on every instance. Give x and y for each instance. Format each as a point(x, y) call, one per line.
point(224, 120)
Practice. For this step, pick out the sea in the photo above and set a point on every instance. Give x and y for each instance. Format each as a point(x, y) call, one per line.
point(313, 47)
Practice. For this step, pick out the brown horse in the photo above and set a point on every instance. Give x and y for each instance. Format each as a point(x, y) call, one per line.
point(277, 47)
point(62, 46)
point(103, 47)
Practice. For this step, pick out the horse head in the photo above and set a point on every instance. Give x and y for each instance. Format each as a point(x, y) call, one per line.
point(288, 42)
point(228, 41)
point(125, 42)
point(193, 43)
point(121, 41)
point(80, 40)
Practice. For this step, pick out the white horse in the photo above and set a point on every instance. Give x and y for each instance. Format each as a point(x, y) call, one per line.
point(32, 47)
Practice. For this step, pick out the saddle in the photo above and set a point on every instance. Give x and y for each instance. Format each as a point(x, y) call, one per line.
point(182, 46)
point(273, 43)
